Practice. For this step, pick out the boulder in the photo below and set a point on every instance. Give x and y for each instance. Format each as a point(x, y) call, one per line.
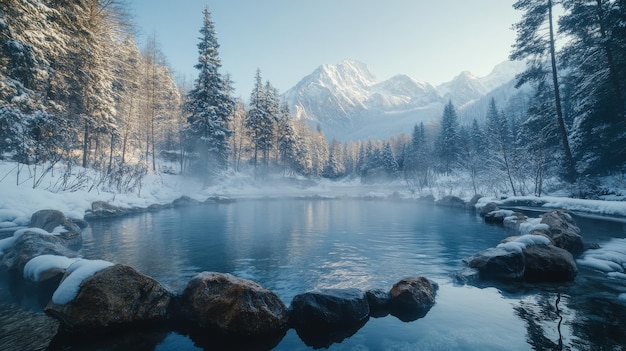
point(498, 216)
point(50, 219)
point(473, 201)
point(185, 201)
point(451, 201)
point(498, 263)
point(103, 209)
point(31, 244)
point(563, 231)
point(378, 301)
point(514, 220)
point(548, 263)
point(232, 305)
point(114, 297)
point(328, 316)
point(411, 298)
point(329, 309)
point(490, 207)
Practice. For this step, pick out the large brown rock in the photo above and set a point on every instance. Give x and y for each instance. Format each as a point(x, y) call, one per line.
point(114, 297)
point(411, 298)
point(548, 263)
point(233, 305)
point(563, 231)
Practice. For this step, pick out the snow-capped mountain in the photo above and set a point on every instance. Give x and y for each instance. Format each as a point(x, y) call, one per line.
point(348, 102)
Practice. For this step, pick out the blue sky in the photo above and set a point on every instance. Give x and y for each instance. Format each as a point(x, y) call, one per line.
point(428, 40)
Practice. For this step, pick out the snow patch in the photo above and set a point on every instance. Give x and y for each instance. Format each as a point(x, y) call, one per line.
point(609, 258)
point(40, 264)
point(520, 243)
point(532, 224)
point(6, 244)
point(79, 271)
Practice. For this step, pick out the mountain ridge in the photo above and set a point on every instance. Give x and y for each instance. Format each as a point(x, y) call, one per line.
point(348, 102)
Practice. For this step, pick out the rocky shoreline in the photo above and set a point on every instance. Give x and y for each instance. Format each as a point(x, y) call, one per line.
point(113, 297)
point(116, 297)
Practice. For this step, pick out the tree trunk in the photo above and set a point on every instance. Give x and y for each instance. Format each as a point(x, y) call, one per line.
point(571, 168)
point(111, 153)
point(85, 144)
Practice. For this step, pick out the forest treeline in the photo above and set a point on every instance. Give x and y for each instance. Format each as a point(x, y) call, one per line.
point(76, 89)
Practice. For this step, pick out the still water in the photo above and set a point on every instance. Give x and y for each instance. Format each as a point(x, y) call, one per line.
point(293, 246)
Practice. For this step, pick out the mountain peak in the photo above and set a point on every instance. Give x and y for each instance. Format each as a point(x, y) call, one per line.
point(349, 102)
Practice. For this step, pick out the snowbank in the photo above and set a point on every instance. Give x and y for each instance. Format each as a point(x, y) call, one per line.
point(519, 243)
point(609, 258)
point(40, 264)
point(78, 271)
point(601, 207)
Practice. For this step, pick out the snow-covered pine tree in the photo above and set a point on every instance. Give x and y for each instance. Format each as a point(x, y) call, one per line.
point(286, 138)
point(209, 105)
point(447, 144)
point(596, 57)
point(532, 43)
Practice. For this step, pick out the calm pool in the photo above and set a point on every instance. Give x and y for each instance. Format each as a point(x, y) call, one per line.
point(292, 246)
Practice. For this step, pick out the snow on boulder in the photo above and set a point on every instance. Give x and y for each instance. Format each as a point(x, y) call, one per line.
point(51, 220)
point(519, 243)
point(77, 272)
point(28, 244)
point(43, 267)
point(563, 231)
point(497, 216)
point(97, 297)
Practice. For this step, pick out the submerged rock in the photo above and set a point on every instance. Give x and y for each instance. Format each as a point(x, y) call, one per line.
point(114, 297)
point(411, 298)
point(232, 305)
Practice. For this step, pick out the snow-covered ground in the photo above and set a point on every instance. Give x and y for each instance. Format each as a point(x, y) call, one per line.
point(18, 201)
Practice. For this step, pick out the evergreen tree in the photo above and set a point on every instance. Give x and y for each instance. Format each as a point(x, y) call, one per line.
point(287, 146)
point(532, 43)
point(389, 161)
point(261, 118)
point(447, 145)
point(208, 104)
point(596, 57)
